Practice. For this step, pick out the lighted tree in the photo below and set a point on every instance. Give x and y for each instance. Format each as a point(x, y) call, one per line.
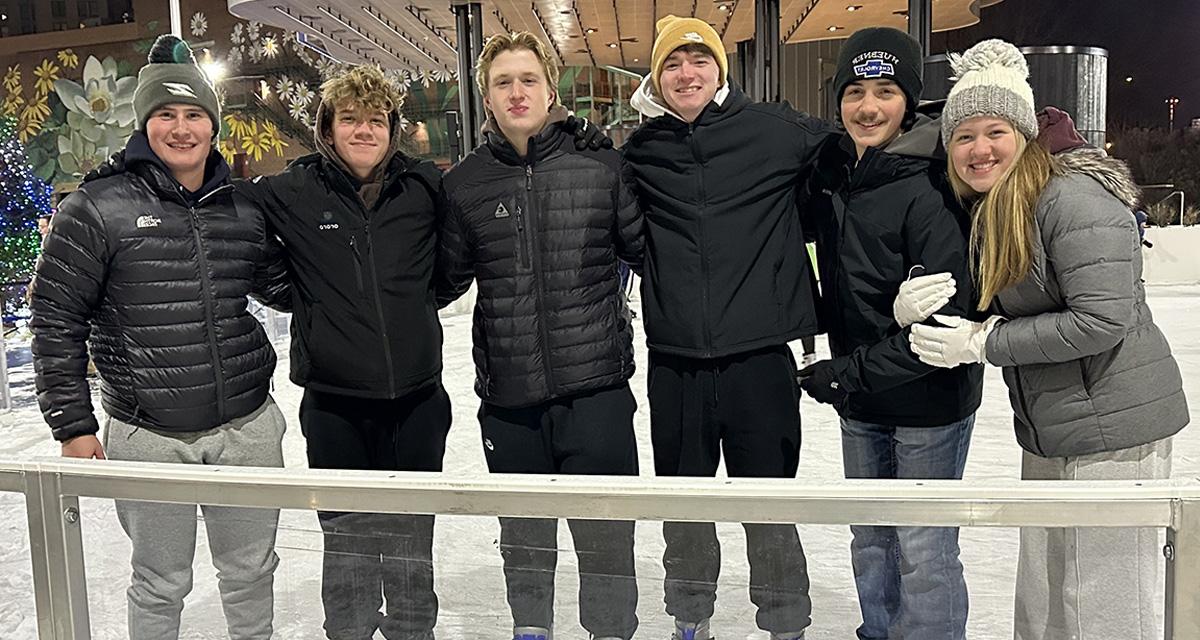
point(23, 198)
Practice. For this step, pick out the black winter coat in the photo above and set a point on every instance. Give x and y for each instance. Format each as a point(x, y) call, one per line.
point(541, 234)
point(364, 322)
point(726, 269)
point(892, 211)
point(155, 279)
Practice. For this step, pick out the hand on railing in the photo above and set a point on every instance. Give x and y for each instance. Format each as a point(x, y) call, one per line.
point(83, 447)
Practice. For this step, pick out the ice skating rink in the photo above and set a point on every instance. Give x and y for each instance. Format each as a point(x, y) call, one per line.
point(467, 561)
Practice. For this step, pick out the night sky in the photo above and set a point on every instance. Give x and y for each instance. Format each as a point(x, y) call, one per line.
point(1155, 41)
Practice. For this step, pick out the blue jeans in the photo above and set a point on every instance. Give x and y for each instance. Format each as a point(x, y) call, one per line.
point(910, 581)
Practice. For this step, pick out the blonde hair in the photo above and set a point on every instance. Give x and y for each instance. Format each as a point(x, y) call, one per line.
point(1002, 224)
point(514, 41)
point(361, 86)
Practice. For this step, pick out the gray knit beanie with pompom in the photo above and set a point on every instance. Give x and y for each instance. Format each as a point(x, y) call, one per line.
point(173, 77)
point(991, 79)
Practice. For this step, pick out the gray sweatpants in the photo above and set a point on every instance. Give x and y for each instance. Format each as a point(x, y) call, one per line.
point(242, 541)
point(1091, 583)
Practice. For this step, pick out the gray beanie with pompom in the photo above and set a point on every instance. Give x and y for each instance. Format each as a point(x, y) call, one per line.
point(991, 80)
point(173, 77)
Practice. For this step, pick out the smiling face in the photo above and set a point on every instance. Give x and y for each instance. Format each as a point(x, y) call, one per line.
point(518, 95)
point(360, 136)
point(982, 149)
point(181, 136)
point(872, 112)
point(689, 80)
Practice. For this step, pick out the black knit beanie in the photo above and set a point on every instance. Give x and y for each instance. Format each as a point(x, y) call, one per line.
point(881, 52)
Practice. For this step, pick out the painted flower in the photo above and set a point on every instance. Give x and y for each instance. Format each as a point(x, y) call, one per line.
point(12, 104)
point(67, 58)
point(46, 73)
point(270, 47)
point(271, 134)
point(199, 24)
point(297, 110)
point(237, 37)
point(84, 144)
point(235, 58)
point(103, 97)
point(284, 88)
point(256, 53)
point(12, 79)
point(252, 31)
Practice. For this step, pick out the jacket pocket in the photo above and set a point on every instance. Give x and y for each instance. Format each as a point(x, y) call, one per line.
point(358, 267)
point(524, 261)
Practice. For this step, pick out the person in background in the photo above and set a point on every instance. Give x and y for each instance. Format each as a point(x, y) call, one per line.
point(1095, 390)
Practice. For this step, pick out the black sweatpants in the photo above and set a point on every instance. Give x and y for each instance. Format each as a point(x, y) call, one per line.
point(747, 406)
point(587, 434)
point(373, 556)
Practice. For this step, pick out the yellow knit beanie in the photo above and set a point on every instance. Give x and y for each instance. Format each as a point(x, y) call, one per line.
point(675, 32)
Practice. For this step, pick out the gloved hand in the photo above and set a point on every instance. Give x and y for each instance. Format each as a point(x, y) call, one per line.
point(587, 135)
point(820, 382)
point(920, 296)
point(960, 341)
point(115, 164)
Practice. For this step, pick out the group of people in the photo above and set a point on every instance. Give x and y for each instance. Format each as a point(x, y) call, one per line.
point(949, 236)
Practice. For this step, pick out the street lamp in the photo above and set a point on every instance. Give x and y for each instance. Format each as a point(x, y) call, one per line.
point(1171, 102)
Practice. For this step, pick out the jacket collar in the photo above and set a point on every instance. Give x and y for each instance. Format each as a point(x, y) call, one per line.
point(650, 105)
point(549, 140)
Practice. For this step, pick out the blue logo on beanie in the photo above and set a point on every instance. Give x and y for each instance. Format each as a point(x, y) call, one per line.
point(874, 69)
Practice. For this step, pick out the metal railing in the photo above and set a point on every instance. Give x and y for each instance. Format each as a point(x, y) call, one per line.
point(52, 490)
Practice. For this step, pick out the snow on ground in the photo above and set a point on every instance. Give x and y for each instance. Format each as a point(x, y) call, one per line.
point(469, 580)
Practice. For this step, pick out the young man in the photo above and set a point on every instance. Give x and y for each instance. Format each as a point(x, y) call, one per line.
point(151, 266)
point(358, 220)
point(891, 211)
point(541, 226)
point(727, 284)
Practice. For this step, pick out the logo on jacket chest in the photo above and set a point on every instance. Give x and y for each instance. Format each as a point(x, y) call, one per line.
point(327, 223)
point(501, 211)
point(148, 221)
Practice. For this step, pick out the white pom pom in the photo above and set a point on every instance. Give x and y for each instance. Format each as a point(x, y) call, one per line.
point(987, 54)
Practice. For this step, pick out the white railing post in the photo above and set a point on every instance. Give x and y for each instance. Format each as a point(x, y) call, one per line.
point(1182, 618)
point(56, 549)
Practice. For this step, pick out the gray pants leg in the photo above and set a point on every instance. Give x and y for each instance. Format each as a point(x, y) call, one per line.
point(1091, 583)
point(163, 536)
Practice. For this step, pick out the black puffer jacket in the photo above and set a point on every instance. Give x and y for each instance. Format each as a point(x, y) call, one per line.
point(158, 277)
point(875, 221)
point(726, 270)
point(542, 235)
point(364, 322)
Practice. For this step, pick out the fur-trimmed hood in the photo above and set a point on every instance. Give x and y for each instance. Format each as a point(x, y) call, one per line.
point(1111, 173)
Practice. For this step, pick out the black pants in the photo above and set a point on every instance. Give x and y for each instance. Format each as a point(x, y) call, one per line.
point(585, 434)
point(370, 557)
point(747, 406)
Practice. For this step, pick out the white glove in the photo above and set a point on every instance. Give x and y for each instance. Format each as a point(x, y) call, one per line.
point(960, 341)
point(919, 297)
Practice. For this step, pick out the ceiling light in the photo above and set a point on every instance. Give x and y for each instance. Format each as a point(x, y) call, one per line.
point(835, 28)
point(854, 7)
point(635, 59)
point(612, 45)
point(722, 7)
point(590, 31)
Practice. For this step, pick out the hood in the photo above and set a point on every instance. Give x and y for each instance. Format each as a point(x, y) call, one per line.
point(141, 159)
point(495, 138)
point(651, 106)
point(329, 153)
point(1111, 173)
point(924, 138)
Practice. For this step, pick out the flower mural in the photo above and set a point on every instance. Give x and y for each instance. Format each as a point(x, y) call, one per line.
point(199, 24)
point(99, 116)
point(68, 59)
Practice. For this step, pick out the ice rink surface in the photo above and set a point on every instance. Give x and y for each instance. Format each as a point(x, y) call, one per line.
point(467, 561)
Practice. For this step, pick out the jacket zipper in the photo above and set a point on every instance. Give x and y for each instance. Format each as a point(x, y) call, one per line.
point(358, 274)
point(210, 320)
point(387, 343)
point(704, 297)
point(522, 245)
point(538, 285)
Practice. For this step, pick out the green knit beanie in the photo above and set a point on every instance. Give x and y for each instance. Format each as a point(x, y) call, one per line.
point(173, 77)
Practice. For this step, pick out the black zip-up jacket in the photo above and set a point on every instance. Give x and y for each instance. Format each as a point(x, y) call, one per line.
point(726, 270)
point(875, 221)
point(364, 321)
point(541, 234)
point(155, 280)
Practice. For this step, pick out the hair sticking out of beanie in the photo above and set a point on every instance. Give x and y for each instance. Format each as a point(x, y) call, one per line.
point(170, 49)
point(989, 53)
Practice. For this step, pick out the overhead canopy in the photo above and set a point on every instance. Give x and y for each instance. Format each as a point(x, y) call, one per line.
point(419, 35)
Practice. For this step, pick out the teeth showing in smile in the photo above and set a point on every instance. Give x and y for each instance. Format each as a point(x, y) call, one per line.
point(983, 167)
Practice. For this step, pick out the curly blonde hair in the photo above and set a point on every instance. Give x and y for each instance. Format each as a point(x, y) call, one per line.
point(514, 41)
point(361, 86)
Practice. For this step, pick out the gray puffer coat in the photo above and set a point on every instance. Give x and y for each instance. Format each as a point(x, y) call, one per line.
point(1086, 367)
